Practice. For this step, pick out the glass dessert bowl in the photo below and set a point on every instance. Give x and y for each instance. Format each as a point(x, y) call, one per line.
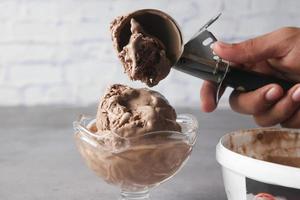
point(136, 164)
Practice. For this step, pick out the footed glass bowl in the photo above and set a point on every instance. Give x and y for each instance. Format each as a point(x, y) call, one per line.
point(135, 164)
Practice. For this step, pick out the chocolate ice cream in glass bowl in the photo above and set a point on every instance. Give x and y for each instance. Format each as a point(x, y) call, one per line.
point(146, 145)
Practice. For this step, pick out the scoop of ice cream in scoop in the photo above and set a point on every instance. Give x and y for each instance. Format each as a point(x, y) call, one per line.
point(144, 58)
point(131, 112)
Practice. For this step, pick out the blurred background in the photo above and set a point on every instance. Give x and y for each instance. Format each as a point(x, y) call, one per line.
point(60, 51)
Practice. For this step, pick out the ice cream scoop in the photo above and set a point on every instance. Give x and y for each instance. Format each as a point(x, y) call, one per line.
point(142, 45)
point(147, 44)
point(196, 56)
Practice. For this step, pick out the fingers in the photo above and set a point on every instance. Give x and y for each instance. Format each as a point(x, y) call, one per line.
point(271, 45)
point(269, 105)
point(257, 101)
point(208, 95)
point(284, 112)
point(292, 122)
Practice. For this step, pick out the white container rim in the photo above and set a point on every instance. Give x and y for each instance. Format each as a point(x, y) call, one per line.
point(259, 170)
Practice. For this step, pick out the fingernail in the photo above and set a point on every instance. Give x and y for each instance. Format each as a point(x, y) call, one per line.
point(272, 94)
point(296, 95)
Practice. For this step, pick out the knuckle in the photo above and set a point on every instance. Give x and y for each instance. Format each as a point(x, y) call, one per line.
point(249, 49)
point(283, 113)
point(286, 109)
point(293, 89)
point(263, 122)
point(257, 108)
point(288, 124)
point(248, 103)
point(288, 30)
point(290, 64)
point(293, 122)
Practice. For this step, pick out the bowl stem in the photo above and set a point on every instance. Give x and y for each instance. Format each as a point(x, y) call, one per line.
point(140, 195)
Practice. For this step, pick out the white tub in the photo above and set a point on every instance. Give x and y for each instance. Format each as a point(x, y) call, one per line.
point(240, 169)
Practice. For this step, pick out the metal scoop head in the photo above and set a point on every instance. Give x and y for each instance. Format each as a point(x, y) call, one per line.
point(198, 59)
point(157, 24)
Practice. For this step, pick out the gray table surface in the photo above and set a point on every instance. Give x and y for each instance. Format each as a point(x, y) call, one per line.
point(39, 160)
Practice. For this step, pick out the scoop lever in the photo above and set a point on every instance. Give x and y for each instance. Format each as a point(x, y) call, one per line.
point(199, 60)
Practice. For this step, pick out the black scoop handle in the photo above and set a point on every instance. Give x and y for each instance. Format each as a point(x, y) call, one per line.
point(248, 80)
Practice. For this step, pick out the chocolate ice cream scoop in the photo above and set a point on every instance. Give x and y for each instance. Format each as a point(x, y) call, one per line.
point(131, 112)
point(144, 57)
point(136, 141)
point(145, 47)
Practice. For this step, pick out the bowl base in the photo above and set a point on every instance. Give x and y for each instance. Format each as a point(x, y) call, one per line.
point(139, 195)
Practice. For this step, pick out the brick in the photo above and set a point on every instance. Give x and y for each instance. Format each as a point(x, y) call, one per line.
point(83, 31)
point(39, 31)
point(258, 25)
point(39, 74)
point(92, 73)
point(34, 95)
point(237, 6)
point(186, 84)
point(291, 6)
point(52, 33)
point(56, 54)
point(87, 95)
point(41, 11)
point(17, 53)
point(101, 51)
point(60, 94)
point(10, 96)
point(2, 75)
point(88, 11)
point(9, 9)
point(45, 94)
point(6, 32)
point(120, 7)
point(230, 25)
point(258, 6)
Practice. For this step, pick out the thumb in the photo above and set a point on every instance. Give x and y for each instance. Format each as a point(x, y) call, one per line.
point(271, 45)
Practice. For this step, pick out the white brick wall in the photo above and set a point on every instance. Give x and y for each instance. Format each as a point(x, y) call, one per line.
point(59, 51)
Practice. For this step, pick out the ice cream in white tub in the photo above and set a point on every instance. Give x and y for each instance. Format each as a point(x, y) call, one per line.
point(261, 164)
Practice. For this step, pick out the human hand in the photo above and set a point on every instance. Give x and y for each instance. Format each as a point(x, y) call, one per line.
point(276, 54)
